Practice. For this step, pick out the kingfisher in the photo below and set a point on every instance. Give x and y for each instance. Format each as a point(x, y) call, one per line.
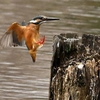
point(29, 33)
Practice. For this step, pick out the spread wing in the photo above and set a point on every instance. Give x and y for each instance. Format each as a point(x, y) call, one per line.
point(13, 35)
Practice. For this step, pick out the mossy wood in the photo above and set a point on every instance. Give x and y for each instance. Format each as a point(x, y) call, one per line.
point(75, 67)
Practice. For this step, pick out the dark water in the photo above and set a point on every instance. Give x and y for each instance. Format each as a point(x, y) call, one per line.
point(20, 78)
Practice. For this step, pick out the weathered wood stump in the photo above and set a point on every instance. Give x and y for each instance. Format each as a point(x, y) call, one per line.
point(75, 68)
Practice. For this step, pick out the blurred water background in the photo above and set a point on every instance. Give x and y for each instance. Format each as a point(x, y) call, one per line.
point(20, 78)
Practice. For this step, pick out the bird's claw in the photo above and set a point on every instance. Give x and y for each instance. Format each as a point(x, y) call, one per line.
point(41, 41)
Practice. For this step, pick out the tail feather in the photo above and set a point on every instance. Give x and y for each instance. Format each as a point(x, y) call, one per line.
point(33, 55)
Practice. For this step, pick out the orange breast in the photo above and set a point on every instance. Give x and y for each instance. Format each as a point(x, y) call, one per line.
point(29, 35)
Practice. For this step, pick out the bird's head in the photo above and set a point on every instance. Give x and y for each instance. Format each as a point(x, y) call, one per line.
point(41, 19)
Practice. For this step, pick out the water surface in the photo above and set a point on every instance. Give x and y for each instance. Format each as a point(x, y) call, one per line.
point(20, 78)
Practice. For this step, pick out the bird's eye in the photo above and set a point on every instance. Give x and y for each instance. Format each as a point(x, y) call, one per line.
point(43, 18)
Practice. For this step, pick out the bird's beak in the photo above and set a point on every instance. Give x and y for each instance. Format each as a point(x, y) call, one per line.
point(50, 19)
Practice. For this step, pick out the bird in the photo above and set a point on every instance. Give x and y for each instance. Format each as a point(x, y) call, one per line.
point(29, 33)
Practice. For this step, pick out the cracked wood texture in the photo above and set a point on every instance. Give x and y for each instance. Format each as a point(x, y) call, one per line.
point(75, 67)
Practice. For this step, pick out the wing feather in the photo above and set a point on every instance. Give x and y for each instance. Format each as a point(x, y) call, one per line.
point(13, 36)
point(6, 40)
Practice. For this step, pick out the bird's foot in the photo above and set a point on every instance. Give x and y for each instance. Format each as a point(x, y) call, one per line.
point(40, 41)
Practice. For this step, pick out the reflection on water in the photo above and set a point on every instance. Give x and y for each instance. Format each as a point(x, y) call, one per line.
point(20, 78)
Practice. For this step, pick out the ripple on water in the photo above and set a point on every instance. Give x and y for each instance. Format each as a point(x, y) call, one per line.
point(6, 63)
point(20, 78)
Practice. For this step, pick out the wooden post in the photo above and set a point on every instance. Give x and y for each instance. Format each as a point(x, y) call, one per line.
point(75, 68)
